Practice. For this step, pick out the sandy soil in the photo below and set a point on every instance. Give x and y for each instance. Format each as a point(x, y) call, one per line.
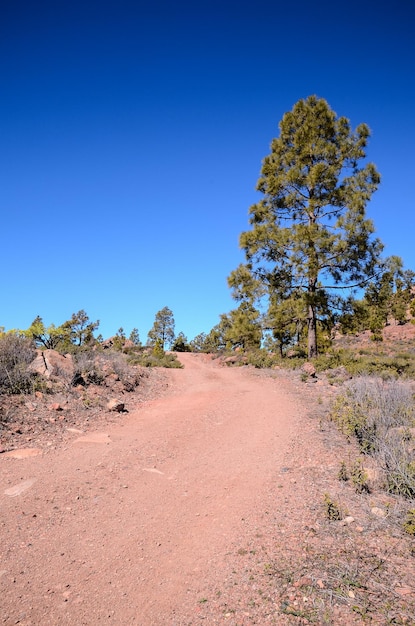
point(176, 514)
point(127, 526)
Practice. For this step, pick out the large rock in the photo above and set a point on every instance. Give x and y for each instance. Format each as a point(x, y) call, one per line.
point(50, 363)
point(309, 369)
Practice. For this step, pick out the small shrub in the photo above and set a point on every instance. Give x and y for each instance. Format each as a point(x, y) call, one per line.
point(16, 354)
point(343, 473)
point(158, 350)
point(409, 524)
point(146, 359)
point(87, 369)
point(359, 477)
point(333, 510)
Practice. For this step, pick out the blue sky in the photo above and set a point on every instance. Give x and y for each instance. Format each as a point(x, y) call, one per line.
point(132, 134)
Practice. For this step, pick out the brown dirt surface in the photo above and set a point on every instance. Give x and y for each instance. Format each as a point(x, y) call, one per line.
point(203, 505)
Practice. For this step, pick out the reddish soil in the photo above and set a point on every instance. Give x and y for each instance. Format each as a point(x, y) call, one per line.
point(203, 506)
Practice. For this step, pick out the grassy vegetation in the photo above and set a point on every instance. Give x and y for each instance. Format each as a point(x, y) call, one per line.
point(381, 416)
point(16, 354)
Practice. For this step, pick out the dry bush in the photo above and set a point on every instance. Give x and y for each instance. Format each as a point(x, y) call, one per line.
point(16, 353)
point(97, 367)
point(381, 415)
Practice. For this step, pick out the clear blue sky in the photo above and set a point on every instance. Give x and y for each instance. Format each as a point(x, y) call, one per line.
point(132, 134)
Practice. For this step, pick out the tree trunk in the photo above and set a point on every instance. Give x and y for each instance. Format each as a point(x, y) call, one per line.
point(312, 332)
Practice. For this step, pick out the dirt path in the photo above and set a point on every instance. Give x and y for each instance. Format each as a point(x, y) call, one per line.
point(131, 525)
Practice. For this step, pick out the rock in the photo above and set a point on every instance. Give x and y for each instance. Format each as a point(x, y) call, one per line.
point(309, 369)
point(305, 581)
point(404, 591)
point(23, 453)
point(56, 407)
point(377, 512)
point(20, 488)
point(50, 363)
point(94, 438)
point(231, 359)
point(116, 406)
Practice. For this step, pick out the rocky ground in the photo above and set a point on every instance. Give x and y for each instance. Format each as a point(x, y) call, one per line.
point(207, 501)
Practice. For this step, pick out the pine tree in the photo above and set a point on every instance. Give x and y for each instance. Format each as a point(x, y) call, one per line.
point(163, 328)
point(309, 234)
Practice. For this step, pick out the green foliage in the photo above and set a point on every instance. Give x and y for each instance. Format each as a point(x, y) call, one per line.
point(309, 232)
point(343, 473)
point(155, 359)
point(181, 344)
point(119, 339)
point(158, 349)
point(334, 512)
point(75, 333)
point(354, 317)
point(243, 328)
point(80, 329)
point(163, 328)
point(199, 343)
point(359, 477)
point(135, 337)
point(16, 353)
point(51, 337)
point(409, 524)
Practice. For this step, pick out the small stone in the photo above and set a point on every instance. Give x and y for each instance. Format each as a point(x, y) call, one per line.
point(305, 581)
point(116, 406)
point(56, 407)
point(309, 369)
point(404, 591)
point(378, 512)
point(16, 490)
point(23, 453)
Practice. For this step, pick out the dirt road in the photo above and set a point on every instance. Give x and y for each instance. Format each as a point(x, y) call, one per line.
point(131, 525)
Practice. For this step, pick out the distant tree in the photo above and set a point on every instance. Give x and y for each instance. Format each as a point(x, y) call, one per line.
point(354, 317)
point(163, 328)
point(119, 339)
point(310, 235)
point(286, 320)
point(244, 329)
point(51, 337)
point(403, 296)
point(214, 340)
point(80, 328)
point(198, 343)
point(181, 344)
point(135, 337)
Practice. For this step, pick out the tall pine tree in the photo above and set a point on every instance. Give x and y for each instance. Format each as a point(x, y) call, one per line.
point(309, 234)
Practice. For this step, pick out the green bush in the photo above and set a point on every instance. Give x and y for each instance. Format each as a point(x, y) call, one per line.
point(152, 359)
